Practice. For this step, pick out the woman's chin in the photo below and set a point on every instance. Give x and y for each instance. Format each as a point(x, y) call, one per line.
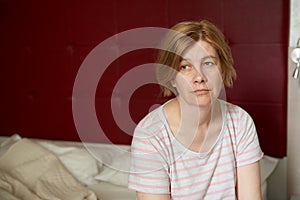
point(200, 102)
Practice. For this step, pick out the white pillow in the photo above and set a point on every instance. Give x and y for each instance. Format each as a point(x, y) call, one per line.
point(4, 146)
point(267, 166)
point(118, 171)
point(77, 160)
point(106, 153)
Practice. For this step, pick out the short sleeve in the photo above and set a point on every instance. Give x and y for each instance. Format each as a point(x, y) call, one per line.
point(248, 148)
point(149, 169)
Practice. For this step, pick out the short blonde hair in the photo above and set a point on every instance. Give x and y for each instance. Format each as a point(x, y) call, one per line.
point(183, 35)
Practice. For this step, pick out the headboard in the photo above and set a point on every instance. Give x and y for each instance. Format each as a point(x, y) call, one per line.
point(44, 43)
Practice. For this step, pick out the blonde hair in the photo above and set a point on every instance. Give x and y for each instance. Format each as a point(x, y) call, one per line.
point(183, 35)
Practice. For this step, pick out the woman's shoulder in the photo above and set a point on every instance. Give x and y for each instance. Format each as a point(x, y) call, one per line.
point(152, 119)
point(152, 124)
point(235, 110)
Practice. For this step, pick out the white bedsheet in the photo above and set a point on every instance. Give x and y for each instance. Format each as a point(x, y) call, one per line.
point(87, 169)
point(30, 172)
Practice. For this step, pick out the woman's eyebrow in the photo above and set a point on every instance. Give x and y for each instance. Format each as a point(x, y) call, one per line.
point(206, 57)
point(185, 59)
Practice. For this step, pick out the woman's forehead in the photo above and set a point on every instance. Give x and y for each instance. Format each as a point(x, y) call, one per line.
point(199, 50)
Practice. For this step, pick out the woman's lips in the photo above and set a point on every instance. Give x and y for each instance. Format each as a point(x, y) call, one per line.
point(201, 91)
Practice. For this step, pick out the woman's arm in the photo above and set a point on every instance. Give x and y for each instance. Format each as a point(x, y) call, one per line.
point(146, 196)
point(248, 182)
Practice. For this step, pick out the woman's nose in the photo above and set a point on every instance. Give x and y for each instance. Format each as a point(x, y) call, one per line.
point(199, 76)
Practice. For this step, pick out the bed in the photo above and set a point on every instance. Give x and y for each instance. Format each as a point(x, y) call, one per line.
point(69, 170)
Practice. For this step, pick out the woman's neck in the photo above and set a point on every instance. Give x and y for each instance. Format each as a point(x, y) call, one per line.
point(194, 115)
point(195, 127)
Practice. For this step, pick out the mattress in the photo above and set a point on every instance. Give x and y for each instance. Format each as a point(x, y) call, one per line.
point(105, 174)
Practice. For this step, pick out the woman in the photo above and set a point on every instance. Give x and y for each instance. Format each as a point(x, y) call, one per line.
point(195, 146)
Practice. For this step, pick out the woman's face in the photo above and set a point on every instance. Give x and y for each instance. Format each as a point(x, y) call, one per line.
point(199, 79)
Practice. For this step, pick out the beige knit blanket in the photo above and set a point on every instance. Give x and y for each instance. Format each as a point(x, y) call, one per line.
point(30, 172)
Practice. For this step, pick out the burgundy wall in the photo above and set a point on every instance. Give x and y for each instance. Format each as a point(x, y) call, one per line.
point(43, 44)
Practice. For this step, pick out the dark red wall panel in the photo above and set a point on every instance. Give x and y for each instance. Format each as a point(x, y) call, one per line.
point(44, 43)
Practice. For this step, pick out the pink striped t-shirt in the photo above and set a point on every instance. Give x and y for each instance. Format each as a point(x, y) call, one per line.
point(162, 165)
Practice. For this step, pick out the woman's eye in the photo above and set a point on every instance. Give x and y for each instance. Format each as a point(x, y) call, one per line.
point(209, 63)
point(185, 67)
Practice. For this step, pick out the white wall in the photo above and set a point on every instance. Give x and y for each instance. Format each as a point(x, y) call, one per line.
point(293, 150)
